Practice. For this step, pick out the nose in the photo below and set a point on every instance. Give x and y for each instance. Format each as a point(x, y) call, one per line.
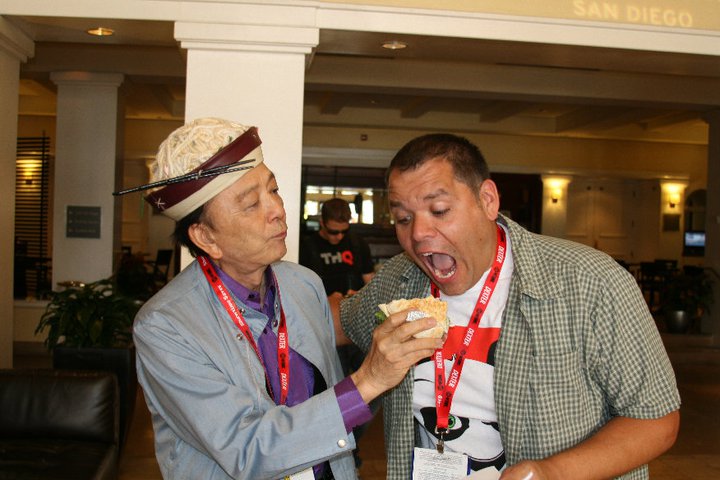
point(422, 228)
point(276, 208)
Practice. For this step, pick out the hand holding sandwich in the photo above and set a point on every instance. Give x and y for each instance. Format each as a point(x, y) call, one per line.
point(394, 350)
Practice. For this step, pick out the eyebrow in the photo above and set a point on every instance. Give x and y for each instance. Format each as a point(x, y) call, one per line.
point(252, 188)
point(429, 197)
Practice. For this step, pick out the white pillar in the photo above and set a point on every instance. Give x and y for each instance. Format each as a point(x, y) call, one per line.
point(255, 76)
point(712, 222)
point(554, 205)
point(15, 47)
point(85, 165)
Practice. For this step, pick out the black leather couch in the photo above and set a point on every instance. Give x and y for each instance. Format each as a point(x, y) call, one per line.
point(58, 424)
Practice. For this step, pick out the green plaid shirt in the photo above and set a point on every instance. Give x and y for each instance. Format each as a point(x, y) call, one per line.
point(578, 347)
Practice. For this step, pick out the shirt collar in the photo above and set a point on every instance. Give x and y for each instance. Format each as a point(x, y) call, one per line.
point(251, 298)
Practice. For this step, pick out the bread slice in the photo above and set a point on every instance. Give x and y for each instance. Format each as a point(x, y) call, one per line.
point(421, 308)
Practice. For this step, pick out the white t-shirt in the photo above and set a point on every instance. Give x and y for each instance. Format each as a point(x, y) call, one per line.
point(473, 426)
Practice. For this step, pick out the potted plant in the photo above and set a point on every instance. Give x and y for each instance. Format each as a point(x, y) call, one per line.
point(685, 297)
point(90, 328)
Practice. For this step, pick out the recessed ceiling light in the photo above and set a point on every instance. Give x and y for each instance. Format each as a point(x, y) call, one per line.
point(101, 31)
point(394, 45)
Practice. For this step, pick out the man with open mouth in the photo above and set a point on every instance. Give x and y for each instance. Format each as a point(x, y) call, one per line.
point(553, 367)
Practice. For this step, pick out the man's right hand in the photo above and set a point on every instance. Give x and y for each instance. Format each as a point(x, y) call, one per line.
point(393, 352)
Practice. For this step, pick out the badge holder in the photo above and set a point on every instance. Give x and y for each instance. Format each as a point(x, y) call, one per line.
point(429, 464)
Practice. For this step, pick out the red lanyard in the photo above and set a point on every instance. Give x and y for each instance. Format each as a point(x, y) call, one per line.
point(444, 392)
point(283, 347)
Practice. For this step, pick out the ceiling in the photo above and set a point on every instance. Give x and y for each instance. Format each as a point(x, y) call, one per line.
point(434, 83)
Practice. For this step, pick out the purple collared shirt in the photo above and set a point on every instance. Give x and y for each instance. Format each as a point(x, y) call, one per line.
point(302, 378)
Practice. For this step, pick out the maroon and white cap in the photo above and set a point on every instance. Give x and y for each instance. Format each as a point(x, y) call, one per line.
point(205, 144)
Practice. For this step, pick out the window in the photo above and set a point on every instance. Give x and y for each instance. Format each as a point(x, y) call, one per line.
point(32, 218)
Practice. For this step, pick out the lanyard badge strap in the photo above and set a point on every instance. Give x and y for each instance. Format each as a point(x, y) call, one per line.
point(283, 344)
point(444, 391)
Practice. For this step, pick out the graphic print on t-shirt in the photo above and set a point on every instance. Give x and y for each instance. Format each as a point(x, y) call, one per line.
point(473, 424)
point(341, 266)
point(473, 427)
point(333, 258)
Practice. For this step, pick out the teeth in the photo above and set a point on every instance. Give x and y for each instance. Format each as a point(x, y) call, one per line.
point(447, 275)
point(437, 272)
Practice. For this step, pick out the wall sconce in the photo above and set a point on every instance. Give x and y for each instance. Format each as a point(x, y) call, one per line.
point(672, 194)
point(555, 186)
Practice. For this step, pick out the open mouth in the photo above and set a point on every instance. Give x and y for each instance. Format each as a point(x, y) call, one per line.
point(442, 265)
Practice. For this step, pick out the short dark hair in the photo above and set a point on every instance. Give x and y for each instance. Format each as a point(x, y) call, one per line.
point(465, 157)
point(335, 209)
point(182, 227)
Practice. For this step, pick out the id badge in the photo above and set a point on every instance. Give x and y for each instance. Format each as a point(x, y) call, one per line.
point(306, 474)
point(428, 464)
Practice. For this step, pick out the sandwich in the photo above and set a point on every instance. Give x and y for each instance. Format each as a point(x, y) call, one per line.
point(421, 308)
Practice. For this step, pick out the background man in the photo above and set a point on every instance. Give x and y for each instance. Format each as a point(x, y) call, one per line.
point(564, 375)
point(341, 258)
point(344, 264)
point(236, 354)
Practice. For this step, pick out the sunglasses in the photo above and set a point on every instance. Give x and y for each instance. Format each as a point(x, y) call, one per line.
point(330, 231)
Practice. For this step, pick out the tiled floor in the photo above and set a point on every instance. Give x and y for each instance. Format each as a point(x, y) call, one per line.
point(138, 460)
point(696, 454)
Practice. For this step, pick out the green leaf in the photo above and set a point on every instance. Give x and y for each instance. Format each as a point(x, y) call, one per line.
point(95, 315)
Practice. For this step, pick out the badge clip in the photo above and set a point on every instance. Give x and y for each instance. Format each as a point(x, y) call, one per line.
point(441, 439)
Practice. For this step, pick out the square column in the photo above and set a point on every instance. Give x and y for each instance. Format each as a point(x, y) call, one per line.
point(85, 166)
point(15, 47)
point(254, 76)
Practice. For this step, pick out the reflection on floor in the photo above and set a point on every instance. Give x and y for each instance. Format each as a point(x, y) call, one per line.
point(696, 454)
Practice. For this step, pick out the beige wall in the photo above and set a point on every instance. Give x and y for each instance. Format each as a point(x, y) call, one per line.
point(686, 14)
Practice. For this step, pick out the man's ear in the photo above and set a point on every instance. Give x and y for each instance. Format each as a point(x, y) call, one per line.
point(490, 199)
point(321, 231)
point(202, 236)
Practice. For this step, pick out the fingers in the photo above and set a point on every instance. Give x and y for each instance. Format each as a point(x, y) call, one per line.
point(393, 352)
point(403, 329)
point(395, 340)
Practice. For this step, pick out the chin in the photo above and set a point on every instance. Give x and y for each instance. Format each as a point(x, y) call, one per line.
point(451, 286)
point(453, 289)
point(280, 252)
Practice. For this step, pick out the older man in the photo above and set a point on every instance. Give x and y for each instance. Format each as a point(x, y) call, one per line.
point(236, 353)
point(564, 375)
